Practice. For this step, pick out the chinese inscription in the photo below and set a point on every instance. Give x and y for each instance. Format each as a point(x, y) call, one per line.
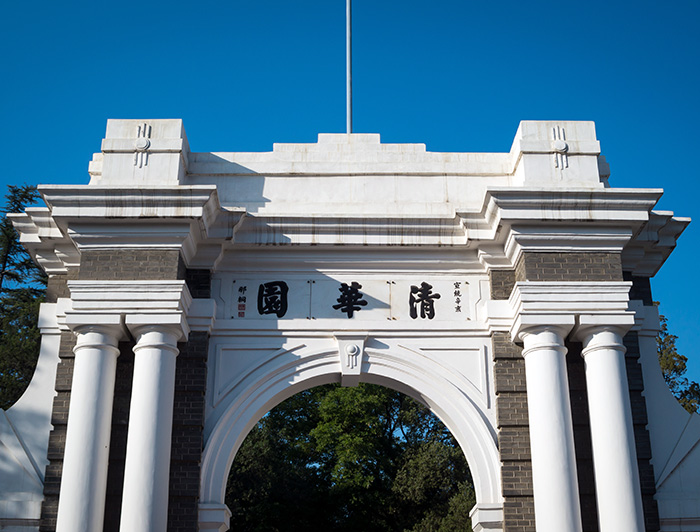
point(350, 300)
point(423, 298)
point(458, 297)
point(272, 298)
point(241, 301)
point(430, 298)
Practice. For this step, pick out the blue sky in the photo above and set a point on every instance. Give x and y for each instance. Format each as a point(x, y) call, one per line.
point(457, 76)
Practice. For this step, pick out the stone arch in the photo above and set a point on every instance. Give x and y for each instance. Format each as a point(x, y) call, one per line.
point(441, 388)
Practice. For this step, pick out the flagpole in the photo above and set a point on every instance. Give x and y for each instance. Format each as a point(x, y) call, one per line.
point(348, 45)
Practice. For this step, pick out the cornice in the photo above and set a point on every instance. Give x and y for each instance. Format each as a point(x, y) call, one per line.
point(94, 217)
point(645, 255)
point(189, 218)
point(69, 202)
point(516, 220)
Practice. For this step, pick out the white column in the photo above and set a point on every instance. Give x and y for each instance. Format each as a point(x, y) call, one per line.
point(147, 469)
point(81, 503)
point(555, 482)
point(618, 491)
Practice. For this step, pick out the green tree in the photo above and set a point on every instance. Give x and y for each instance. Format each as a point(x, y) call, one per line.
point(366, 458)
point(22, 288)
point(674, 367)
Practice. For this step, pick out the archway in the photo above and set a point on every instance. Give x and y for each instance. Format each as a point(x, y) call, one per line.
point(444, 391)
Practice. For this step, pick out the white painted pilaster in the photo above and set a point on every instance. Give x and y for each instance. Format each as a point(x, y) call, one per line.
point(84, 481)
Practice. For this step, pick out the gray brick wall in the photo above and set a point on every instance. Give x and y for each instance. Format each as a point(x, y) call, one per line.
point(560, 266)
point(641, 288)
point(582, 436)
point(57, 286)
point(188, 433)
point(131, 264)
point(117, 445)
point(501, 282)
point(513, 435)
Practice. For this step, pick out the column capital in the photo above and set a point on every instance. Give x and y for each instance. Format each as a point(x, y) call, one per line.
point(538, 337)
point(98, 336)
point(576, 305)
point(587, 327)
point(159, 336)
point(130, 305)
point(527, 325)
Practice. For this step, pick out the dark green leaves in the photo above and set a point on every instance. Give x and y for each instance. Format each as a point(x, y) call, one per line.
point(673, 367)
point(22, 287)
point(366, 458)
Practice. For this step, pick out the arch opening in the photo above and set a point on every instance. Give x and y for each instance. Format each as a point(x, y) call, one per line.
point(350, 458)
point(410, 373)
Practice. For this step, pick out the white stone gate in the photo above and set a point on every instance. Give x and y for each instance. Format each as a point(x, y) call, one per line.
point(192, 292)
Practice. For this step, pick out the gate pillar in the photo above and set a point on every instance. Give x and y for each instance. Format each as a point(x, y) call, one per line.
point(618, 493)
point(554, 478)
point(147, 467)
point(84, 481)
point(101, 312)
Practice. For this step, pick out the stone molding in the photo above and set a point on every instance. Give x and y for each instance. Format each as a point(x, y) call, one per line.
point(573, 305)
point(129, 305)
point(162, 217)
point(487, 517)
point(190, 219)
point(645, 255)
point(513, 221)
point(214, 517)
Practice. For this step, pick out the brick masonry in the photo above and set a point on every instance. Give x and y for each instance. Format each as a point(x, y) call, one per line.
point(190, 385)
point(117, 445)
point(641, 288)
point(582, 436)
point(559, 266)
point(131, 264)
point(57, 286)
point(188, 437)
point(501, 282)
point(513, 435)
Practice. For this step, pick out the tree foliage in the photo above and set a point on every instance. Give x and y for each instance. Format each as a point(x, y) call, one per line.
point(22, 288)
point(366, 458)
point(674, 367)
